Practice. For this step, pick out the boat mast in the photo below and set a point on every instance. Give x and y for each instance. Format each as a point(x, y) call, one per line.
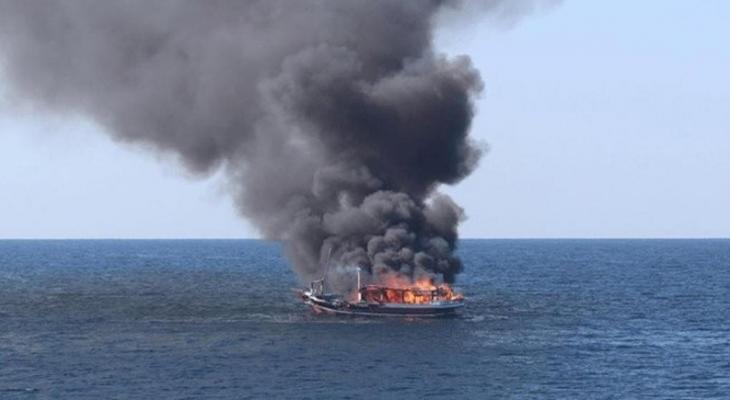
point(326, 268)
point(359, 295)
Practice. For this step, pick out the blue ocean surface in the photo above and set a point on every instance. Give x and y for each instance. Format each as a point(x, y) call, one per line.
point(216, 319)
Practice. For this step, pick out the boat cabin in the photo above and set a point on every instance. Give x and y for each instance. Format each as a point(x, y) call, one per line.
point(379, 294)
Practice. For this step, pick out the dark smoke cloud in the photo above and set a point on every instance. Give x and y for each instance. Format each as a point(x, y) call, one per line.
point(335, 120)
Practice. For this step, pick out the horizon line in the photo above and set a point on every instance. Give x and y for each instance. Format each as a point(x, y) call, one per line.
point(464, 238)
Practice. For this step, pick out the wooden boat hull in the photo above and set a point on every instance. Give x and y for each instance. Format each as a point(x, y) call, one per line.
point(431, 310)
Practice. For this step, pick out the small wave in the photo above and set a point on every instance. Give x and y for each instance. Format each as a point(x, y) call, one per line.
point(20, 390)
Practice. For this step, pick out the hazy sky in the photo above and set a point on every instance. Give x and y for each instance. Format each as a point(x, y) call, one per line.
point(604, 119)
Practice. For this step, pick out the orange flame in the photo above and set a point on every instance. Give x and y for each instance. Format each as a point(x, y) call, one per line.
point(398, 289)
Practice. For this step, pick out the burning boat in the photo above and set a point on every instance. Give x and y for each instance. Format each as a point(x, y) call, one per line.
point(420, 299)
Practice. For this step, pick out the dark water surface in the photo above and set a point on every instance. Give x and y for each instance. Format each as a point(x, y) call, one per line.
point(216, 320)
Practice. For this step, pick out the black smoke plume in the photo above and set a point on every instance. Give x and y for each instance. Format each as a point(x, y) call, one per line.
point(335, 120)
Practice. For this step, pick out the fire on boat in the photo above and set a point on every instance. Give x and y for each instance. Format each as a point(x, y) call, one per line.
point(396, 297)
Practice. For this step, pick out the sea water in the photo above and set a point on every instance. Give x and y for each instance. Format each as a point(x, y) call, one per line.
point(216, 319)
